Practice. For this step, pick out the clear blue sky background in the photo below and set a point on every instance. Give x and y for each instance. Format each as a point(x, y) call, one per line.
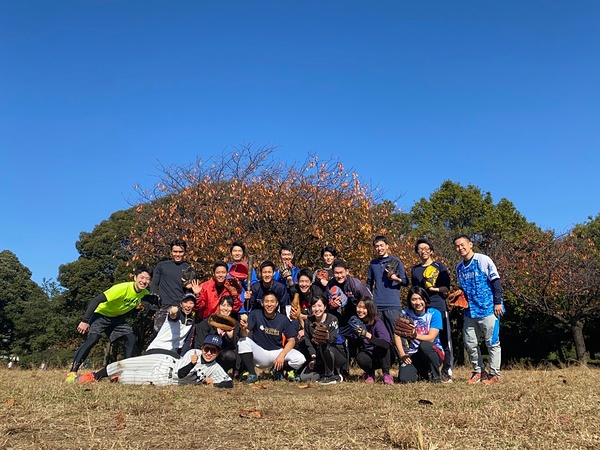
point(93, 94)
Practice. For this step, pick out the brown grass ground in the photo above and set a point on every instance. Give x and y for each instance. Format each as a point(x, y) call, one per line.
point(529, 409)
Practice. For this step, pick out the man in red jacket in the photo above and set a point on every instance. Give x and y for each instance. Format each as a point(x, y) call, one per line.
point(210, 293)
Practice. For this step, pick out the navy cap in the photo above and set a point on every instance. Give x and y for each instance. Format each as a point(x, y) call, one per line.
point(188, 297)
point(213, 339)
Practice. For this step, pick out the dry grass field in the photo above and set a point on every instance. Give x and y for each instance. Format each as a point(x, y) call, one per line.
point(529, 409)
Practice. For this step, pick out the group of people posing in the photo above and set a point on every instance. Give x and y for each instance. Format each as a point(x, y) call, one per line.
point(297, 323)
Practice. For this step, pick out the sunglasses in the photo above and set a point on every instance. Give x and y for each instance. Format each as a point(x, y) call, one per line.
point(210, 349)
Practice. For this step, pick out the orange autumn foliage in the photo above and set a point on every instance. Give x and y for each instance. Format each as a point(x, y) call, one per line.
point(247, 195)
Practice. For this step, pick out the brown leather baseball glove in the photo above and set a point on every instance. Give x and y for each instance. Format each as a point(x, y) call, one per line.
point(233, 286)
point(458, 299)
point(320, 333)
point(405, 328)
point(221, 322)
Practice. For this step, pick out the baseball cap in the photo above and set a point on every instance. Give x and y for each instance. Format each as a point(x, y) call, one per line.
point(213, 339)
point(188, 296)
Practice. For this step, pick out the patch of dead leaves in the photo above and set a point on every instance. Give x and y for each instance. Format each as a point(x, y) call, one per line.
point(252, 413)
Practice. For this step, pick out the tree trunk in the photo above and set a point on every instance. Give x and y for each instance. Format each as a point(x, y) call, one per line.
point(577, 331)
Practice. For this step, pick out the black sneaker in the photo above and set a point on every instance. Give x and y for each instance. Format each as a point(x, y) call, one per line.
point(331, 379)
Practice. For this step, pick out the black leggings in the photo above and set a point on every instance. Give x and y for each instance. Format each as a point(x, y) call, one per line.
point(378, 358)
point(332, 357)
point(82, 352)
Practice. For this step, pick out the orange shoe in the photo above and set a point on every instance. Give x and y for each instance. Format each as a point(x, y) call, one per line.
point(492, 379)
point(85, 378)
point(476, 377)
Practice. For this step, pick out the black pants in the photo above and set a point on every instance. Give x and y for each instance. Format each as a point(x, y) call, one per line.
point(330, 358)
point(378, 358)
point(425, 365)
point(388, 317)
point(82, 352)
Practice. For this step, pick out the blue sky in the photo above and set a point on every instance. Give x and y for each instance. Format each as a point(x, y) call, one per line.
point(94, 94)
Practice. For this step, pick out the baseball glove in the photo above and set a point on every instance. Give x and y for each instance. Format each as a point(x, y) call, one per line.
point(150, 303)
point(285, 271)
point(188, 276)
point(296, 307)
point(233, 286)
point(358, 326)
point(320, 333)
point(430, 276)
point(405, 328)
point(221, 322)
point(458, 299)
point(391, 266)
point(336, 295)
point(322, 274)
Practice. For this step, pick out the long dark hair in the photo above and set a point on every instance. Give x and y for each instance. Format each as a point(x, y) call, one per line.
point(420, 292)
point(371, 310)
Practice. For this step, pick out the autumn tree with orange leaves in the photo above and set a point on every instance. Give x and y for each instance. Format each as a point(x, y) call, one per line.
point(556, 276)
point(246, 194)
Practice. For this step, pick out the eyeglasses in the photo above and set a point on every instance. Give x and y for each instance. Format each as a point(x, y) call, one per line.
point(208, 349)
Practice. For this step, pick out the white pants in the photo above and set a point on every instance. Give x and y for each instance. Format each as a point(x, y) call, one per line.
point(265, 358)
point(154, 369)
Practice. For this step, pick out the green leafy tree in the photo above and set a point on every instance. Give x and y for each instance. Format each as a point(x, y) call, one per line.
point(591, 229)
point(454, 209)
point(26, 312)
